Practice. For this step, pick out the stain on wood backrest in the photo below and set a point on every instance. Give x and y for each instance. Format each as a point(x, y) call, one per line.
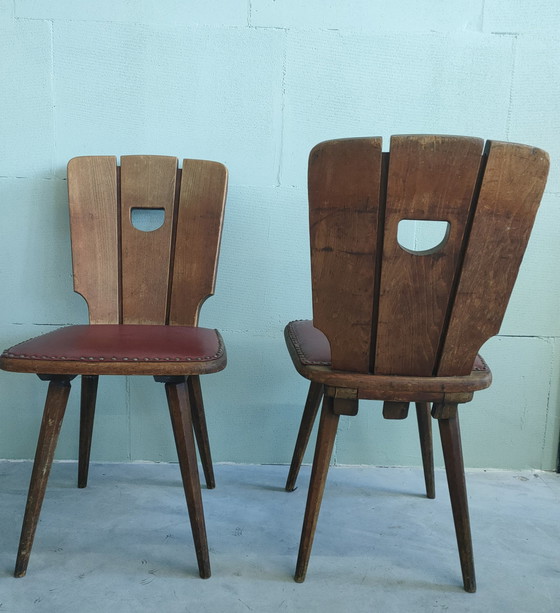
point(387, 310)
point(130, 276)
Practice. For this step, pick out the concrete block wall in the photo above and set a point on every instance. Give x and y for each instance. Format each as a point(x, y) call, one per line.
point(255, 84)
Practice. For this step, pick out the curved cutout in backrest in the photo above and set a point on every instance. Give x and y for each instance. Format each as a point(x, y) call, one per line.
point(422, 236)
point(147, 219)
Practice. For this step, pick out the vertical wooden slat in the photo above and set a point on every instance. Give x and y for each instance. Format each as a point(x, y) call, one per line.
point(146, 182)
point(344, 187)
point(430, 178)
point(92, 196)
point(510, 195)
point(197, 244)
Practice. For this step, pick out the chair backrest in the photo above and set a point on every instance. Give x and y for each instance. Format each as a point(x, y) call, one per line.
point(131, 276)
point(386, 309)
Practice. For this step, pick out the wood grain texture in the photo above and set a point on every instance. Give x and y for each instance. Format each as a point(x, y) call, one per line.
point(434, 309)
point(323, 451)
point(197, 244)
point(92, 197)
point(453, 456)
point(513, 184)
point(147, 182)
point(55, 407)
point(180, 413)
point(314, 397)
point(344, 194)
point(423, 418)
point(430, 178)
point(391, 387)
point(201, 429)
point(88, 398)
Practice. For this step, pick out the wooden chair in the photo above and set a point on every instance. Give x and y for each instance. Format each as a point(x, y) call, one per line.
point(144, 290)
point(401, 326)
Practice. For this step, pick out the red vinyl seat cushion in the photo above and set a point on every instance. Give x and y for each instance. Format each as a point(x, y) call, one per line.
point(122, 343)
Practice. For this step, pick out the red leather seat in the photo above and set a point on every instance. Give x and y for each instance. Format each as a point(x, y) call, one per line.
point(94, 348)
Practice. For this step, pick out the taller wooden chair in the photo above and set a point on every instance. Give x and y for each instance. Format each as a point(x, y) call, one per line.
point(401, 326)
point(144, 290)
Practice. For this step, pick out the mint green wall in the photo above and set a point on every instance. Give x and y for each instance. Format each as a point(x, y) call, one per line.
point(255, 84)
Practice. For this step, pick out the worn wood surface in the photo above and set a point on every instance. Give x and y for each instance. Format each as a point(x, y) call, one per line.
point(200, 429)
point(131, 276)
point(453, 457)
point(92, 197)
point(180, 412)
point(314, 397)
point(87, 412)
point(395, 410)
point(427, 313)
point(513, 184)
point(199, 225)
point(397, 388)
point(430, 178)
point(426, 446)
point(344, 188)
point(147, 182)
point(323, 450)
point(55, 407)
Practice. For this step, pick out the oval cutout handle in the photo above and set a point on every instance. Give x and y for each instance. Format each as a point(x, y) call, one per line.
point(147, 220)
point(421, 236)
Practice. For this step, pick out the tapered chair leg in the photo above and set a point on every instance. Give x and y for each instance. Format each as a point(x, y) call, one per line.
point(453, 456)
point(426, 446)
point(181, 420)
point(308, 419)
point(55, 406)
point(323, 451)
point(87, 413)
point(200, 429)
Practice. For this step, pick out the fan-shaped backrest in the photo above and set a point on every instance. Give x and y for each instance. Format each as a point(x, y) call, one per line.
point(386, 309)
point(132, 276)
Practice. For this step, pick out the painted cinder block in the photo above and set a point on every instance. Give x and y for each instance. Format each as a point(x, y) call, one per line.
point(26, 129)
point(520, 16)
point(36, 269)
point(507, 424)
point(262, 292)
point(375, 15)
point(171, 12)
point(6, 11)
point(535, 301)
point(535, 100)
point(191, 79)
point(341, 85)
point(207, 93)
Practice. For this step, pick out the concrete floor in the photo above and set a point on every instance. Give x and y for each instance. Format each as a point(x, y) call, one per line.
point(124, 544)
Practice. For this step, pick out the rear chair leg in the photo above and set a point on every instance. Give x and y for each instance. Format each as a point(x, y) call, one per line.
point(55, 406)
point(200, 429)
point(180, 412)
point(308, 419)
point(323, 451)
point(426, 446)
point(453, 456)
point(87, 413)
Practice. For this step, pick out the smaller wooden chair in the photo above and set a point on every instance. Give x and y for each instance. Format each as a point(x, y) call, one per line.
point(398, 325)
point(144, 290)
